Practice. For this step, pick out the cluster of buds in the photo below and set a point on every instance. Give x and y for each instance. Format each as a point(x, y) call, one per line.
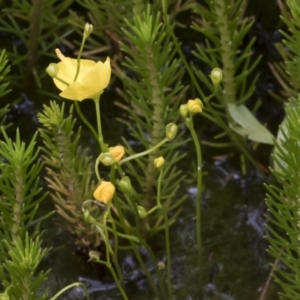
point(114, 154)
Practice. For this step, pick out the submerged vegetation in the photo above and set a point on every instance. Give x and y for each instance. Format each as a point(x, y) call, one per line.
point(131, 103)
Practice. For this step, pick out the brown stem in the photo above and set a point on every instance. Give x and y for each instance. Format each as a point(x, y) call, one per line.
point(264, 291)
point(33, 44)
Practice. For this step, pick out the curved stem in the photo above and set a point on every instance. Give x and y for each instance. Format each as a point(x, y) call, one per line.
point(85, 121)
point(69, 287)
point(143, 153)
point(190, 125)
point(97, 169)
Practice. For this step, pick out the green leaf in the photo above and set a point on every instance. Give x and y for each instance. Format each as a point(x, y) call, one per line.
point(249, 126)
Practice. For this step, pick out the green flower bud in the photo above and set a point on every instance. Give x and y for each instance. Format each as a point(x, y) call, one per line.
point(183, 110)
point(125, 184)
point(94, 256)
point(171, 131)
point(107, 158)
point(52, 70)
point(216, 76)
point(142, 212)
point(88, 28)
point(87, 217)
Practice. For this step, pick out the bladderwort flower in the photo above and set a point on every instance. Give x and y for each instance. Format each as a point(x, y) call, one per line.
point(93, 77)
point(117, 152)
point(104, 192)
point(195, 106)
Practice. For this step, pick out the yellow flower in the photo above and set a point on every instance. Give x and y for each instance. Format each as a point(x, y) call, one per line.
point(195, 106)
point(104, 192)
point(117, 152)
point(92, 78)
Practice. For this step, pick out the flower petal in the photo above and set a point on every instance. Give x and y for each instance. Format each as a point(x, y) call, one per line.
point(86, 65)
point(98, 78)
point(75, 91)
point(66, 72)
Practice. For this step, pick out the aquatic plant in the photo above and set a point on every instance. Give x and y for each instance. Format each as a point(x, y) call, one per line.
point(223, 25)
point(35, 27)
point(118, 197)
point(283, 200)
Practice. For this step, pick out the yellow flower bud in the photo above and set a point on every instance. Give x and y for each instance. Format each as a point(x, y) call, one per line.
point(158, 162)
point(195, 106)
point(107, 158)
point(88, 28)
point(183, 110)
point(171, 131)
point(117, 152)
point(104, 192)
point(216, 76)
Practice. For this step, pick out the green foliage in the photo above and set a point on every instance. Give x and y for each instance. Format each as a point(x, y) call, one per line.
point(21, 281)
point(292, 40)
point(108, 18)
point(20, 250)
point(4, 86)
point(224, 27)
point(153, 94)
point(4, 70)
point(36, 25)
point(19, 186)
point(284, 207)
point(69, 173)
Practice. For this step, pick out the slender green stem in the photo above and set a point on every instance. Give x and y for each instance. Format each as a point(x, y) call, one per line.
point(153, 209)
point(168, 250)
point(61, 80)
point(167, 235)
point(190, 125)
point(216, 119)
point(143, 153)
point(85, 121)
point(109, 266)
point(79, 55)
point(97, 169)
point(70, 287)
point(159, 187)
point(133, 245)
point(100, 135)
point(122, 235)
point(118, 282)
point(108, 246)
